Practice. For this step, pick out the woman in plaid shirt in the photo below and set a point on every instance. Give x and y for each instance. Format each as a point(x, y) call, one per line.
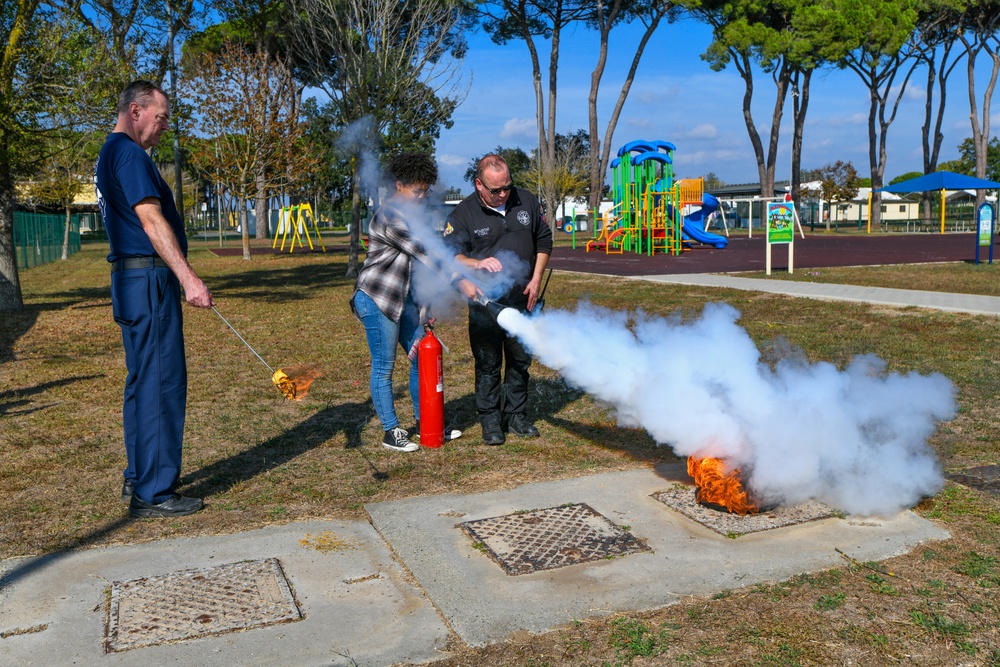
point(383, 297)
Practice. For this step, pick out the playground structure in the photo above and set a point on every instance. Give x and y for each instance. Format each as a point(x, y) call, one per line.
point(296, 220)
point(649, 205)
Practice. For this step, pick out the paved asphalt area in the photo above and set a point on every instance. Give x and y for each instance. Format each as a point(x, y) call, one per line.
point(748, 254)
point(402, 587)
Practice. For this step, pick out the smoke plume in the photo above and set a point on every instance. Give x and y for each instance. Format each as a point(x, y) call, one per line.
point(358, 141)
point(431, 288)
point(854, 439)
point(426, 221)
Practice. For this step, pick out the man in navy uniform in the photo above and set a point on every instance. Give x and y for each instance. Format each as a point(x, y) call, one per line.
point(148, 269)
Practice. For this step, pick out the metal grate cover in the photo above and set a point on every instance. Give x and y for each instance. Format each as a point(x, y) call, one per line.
point(549, 538)
point(682, 498)
point(195, 603)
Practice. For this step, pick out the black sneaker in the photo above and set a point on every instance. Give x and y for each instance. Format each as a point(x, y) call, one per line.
point(518, 424)
point(492, 433)
point(127, 489)
point(177, 505)
point(398, 440)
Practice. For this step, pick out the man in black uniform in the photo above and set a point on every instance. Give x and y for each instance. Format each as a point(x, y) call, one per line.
point(500, 219)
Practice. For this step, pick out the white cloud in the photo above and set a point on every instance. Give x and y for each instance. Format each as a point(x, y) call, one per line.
point(916, 92)
point(654, 96)
point(639, 123)
point(449, 160)
point(859, 118)
point(711, 160)
point(519, 129)
point(703, 131)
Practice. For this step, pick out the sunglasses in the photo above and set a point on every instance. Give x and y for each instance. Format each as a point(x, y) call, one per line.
point(418, 192)
point(496, 191)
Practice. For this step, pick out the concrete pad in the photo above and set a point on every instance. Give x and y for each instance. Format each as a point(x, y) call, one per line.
point(483, 604)
point(358, 603)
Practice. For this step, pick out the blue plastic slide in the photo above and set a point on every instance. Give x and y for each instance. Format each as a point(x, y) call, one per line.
point(694, 224)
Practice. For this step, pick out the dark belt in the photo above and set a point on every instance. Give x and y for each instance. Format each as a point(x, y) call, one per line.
point(138, 263)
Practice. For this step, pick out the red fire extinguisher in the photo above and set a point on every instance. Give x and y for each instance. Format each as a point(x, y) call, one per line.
point(431, 371)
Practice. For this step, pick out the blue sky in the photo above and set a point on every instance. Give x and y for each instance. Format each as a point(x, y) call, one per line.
point(676, 97)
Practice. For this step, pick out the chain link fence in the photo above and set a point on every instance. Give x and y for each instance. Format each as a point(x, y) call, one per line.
point(38, 237)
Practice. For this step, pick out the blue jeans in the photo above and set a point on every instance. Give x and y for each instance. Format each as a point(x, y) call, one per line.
point(383, 336)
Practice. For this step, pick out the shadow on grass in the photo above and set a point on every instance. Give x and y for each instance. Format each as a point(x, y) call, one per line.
point(13, 325)
point(219, 477)
point(642, 447)
point(545, 398)
point(7, 404)
point(34, 564)
point(280, 284)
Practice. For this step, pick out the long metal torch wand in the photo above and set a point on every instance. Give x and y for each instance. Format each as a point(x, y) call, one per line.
point(242, 339)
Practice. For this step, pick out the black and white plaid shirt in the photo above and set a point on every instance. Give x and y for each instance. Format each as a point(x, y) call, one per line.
point(387, 272)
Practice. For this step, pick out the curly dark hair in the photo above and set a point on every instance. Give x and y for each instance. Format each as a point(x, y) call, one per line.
point(412, 167)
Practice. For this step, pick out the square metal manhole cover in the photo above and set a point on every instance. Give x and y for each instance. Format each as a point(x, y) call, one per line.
point(195, 603)
point(549, 538)
point(680, 497)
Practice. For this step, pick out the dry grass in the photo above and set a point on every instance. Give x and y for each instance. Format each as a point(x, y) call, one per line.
point(258, 459)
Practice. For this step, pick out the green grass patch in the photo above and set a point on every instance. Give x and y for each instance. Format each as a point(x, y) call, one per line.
point(829, 602)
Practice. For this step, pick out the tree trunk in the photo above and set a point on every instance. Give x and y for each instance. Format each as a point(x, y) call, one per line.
point(874, 144)
point(594, 159)
point(171, 63)
point(765, 161)
point(800, 105)
point(937, 77)
point(65, 244)
point(981, 133)
point(605, 147)
point(245, 229)
point(260, 206)
point(10, 283)
point(549, 190)
point(352, 255)
point(878, 75)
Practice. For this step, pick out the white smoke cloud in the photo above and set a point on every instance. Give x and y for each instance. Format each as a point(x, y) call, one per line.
point(855, 439)
point(496, 285)
point(429, 287)
point(432, 288)
point(358, 141)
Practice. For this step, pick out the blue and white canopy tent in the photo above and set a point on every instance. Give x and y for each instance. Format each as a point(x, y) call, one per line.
point(943, 181)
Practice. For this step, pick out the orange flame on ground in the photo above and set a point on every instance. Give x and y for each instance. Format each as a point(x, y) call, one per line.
point(294, 382)
point(715, 487)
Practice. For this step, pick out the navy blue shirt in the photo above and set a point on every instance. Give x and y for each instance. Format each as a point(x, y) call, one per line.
point(124, 176)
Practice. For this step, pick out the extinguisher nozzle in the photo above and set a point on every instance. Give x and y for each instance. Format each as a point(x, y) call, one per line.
point(493, 307)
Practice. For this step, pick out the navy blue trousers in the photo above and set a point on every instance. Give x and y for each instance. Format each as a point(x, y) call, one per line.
point(147, 306)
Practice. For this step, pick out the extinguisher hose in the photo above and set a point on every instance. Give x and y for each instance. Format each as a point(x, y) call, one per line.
point(412, 354)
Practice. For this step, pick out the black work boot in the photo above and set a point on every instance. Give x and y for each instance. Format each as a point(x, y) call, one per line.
point(518, 424)
point(492, 433)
